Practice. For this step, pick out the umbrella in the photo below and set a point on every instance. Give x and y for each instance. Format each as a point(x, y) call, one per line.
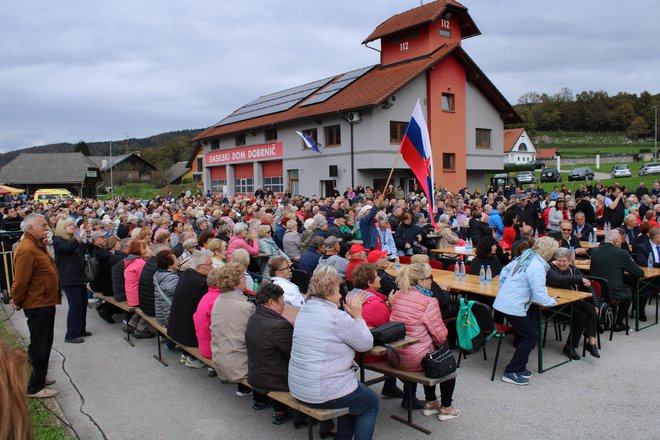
point(4, 190)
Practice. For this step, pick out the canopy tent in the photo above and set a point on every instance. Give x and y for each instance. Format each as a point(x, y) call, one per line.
point(4, 190)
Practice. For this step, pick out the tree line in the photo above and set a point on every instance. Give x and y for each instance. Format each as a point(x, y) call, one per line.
point(590, 111)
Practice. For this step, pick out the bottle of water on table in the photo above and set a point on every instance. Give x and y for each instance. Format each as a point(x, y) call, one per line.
point(482, 274)
point(489, 274)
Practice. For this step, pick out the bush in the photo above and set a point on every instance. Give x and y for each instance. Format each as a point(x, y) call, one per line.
point(513, 167)
point(645, 150)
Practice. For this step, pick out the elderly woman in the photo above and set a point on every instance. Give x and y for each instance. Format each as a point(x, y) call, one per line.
point(268, 246)
point(165, 282)
point(138, 254)
point(202, 316)
point(448, 237)
point(478, 228)
point(415, 306)
point(70, 260)
point(280, 274)
point(243, 258)
point(564, 275)
point(350, 228)
point(406, 234)
point(291, 240)
point(556, 214)
point(189, 246)
point(365, 219)
point(386, 238)
point(522, 282)
point(306, 235)
point(229, 318)
point(219, 249)
point(239, 240)
point(325, 340)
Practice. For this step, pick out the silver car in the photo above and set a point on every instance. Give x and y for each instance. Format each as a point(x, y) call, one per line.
point(621, 171)
point(650, 168)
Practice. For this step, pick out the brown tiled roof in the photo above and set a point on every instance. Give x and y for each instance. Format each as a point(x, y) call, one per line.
point(511, 136)
point(47, 169)
point(546, 153)
point(423, 14)
point(373, 89)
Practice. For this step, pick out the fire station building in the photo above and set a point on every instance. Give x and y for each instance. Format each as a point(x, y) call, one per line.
point(358, 118)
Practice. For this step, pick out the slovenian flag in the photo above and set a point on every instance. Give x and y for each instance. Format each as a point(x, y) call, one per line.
point(309, 142)
point(416, 151)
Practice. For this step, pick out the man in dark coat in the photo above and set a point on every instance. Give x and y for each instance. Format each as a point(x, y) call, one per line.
point(310, 259)
point(568, 240)
point(609, 261)
point(614, 207)
point(582, 230)
point(146, 284)
point(102, 282)
point(117, 271)
point(335, 231)
point(190, 290)
point(530, 212)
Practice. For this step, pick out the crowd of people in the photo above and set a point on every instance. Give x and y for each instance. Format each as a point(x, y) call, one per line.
point(282, 291)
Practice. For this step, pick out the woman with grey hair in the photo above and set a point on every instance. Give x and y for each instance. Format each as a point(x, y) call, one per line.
point(239, 240)
point(291, 240)
point(564, 275)
point(447, 238)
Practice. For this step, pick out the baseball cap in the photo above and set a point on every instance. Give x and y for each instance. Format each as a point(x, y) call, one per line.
point(332, 240)
point(97, 234)
point(357, 248)
point(376, 255)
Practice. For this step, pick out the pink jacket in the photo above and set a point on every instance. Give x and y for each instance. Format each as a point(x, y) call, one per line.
point(202, 320)
point(423, 320)
point(238, 242)
point(132, 270)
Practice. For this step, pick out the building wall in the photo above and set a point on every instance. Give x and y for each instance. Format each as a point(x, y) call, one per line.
point(418, 41)
point(481, 114)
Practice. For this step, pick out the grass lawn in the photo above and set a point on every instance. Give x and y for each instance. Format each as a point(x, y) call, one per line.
point(46, 426)
point(147, 191)
point(589, 144)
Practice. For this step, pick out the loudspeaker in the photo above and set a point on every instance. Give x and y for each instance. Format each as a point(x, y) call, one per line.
point(334, 172)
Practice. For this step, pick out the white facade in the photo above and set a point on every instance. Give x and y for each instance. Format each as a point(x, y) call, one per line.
point(523, 151)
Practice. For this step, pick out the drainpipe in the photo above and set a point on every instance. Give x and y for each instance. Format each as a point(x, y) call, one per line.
point(352, 151)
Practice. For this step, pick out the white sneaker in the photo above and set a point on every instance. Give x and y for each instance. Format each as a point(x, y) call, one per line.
point(194, 363)
point(448, 413)
point(184, 358)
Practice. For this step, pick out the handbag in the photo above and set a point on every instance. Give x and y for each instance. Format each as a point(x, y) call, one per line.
point(91, 267)
point(388, 332)
point(439, 363)
point(419, 248)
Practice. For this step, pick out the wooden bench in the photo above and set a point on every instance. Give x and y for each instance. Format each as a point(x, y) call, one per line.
point(320, 414)
point(408, 378)
point(123, 305)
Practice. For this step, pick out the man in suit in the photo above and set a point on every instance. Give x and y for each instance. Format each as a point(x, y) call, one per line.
point(582, 229)
point(630, 227)
point(645, 204)
point(650, 246)
point(609, 261)
point(568, 240)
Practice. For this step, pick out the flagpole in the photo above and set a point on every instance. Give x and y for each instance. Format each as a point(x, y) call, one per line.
point(391, 172)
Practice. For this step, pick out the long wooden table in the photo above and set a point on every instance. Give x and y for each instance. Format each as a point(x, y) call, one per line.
point(453, 251)
point(565, 298)
point(380, 350)
point(589, 245)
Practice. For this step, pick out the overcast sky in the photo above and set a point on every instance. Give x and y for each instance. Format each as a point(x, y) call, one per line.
point(97, 70)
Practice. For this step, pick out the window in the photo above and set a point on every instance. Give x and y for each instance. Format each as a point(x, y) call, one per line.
point(483, 138)
point(311, 132)
point(522, 147)
point(445, 33)
point(217, 186)
point(332, 136)
point(199, 165)
point(197, 177)
point(276, 184)
point(448, 161)
point(397, 130)
point(215, 144)
point(244, 186)
point(447, 102)
point(240, 139)
point(271, 134)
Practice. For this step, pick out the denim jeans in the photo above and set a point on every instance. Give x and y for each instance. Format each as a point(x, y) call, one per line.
point(362, 407)
point(526, 333)
point(407, 252)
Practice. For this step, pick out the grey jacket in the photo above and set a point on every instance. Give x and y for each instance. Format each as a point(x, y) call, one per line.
point(291, 244)
point(339, 263)
point(166, 281)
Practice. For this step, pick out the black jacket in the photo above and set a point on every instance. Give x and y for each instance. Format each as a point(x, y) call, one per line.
point(334, 231)
point(611, 263)
point(587, 229)
point(123, 230)
point(530, 215)
point(387, 282)
point(406, 234)
point(570, 279)
point(573, 242)
point(103, 280)
point(190, 290)
point(70, 261)
point(117, 274)
point(492, 260)
point(478, 229)
point(268, 337)
point(146, 287)
point(585, 207)
point(641, 254)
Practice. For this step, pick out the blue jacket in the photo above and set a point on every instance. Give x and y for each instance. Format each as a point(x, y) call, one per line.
point(519, 288)
point(369, 230)
point(387, 242)
point(309, 261)
point(495, 221)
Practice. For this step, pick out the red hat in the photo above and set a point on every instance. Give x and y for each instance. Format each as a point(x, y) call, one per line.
point(356, 248)
point(376, 255)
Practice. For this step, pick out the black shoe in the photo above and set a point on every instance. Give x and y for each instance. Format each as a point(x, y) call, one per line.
point(145, 334)
point(74, 341)
point(642, 317)
point(281, 417)
point(593, 350)
point(570, 352)
point(621, 328)
point(107, 317)
point(416, 404)
point(394, 391)
point(86, 333)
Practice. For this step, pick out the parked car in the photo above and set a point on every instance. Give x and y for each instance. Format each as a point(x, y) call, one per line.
point(502, 180)
point(538, 164)
point(582, 173)
point(650, 168)
point(526, 177)
point(550, 175)
point(621, 170)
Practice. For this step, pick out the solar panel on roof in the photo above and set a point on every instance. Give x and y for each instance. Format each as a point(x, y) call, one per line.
point(274, 103)
point(337, 86)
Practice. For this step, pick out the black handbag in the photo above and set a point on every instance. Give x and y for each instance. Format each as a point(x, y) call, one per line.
point(439, 363)
point(388, 332)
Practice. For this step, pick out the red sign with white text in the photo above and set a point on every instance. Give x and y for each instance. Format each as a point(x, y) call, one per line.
point(244, 154)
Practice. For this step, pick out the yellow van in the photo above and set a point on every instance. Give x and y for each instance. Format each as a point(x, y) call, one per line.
point(51, 193)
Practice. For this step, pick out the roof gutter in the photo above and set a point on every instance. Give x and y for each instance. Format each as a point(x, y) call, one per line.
point(372, 48)
point(352, 150)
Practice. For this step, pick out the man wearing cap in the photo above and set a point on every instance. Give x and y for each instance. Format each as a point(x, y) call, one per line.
point(358, 256)
point(332, 257)
point(310, 259)
point(387, 281)
point(530, 213)
point(367, 227)
point(335, 231)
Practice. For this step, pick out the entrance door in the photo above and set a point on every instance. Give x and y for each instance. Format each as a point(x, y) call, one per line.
point(379, 184)
point(326, 187)
point(294, 183)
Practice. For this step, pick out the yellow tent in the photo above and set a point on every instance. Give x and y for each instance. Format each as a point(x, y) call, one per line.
point(11, 190)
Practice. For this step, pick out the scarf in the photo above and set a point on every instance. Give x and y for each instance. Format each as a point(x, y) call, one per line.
point(526, 258)
point(423, 291)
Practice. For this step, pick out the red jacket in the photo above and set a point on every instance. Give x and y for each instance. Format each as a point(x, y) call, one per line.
point(423, 320)
point(352, 264)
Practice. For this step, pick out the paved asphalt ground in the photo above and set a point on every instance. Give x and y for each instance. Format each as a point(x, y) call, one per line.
point(131, 396)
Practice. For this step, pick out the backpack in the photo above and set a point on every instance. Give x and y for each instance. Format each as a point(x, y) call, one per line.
point(470, 333)
point(91, 267)
point(605, 317)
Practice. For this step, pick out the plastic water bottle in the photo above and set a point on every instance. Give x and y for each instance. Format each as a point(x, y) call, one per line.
point(649, 262)
point(572, 249)
point(255, 286)
point(536, 234)
point(489, 274)
point(592, 237)
point(457, 270)
point(482, 274)
point(469, 248)
point(397, 264)
point(462, 269)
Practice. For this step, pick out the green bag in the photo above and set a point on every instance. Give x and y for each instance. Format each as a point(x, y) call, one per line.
point(470, 335)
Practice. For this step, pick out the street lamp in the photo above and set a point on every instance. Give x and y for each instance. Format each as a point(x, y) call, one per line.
point(655, 138)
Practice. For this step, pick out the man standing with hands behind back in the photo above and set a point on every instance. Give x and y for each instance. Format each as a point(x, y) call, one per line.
point(37, 291)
